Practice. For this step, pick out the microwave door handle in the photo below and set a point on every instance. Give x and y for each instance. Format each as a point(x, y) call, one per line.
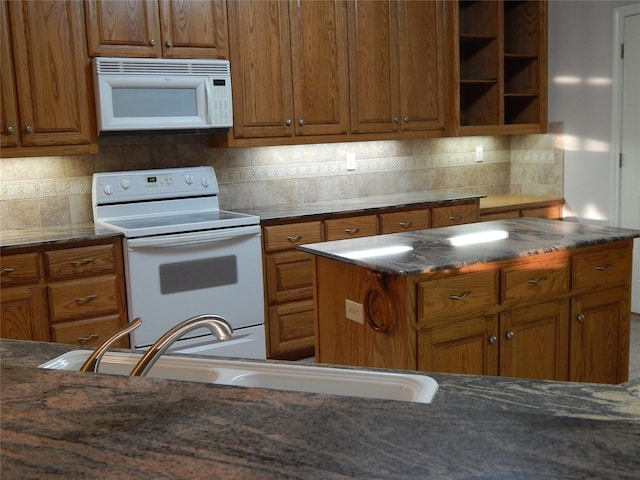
point(208, 100)
point(188, 239)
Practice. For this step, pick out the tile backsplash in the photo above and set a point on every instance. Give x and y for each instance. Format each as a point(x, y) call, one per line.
point(52, 191)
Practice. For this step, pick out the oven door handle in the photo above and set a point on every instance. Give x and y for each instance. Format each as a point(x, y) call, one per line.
point(193, 238)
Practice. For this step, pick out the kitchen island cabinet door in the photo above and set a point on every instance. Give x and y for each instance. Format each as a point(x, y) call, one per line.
point(534, 341)
point(23, 314)
point(52, 77)
point(599, 329)
point(466, 346)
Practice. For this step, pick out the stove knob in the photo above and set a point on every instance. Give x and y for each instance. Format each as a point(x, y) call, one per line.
point(124, 183)
point(188, 179)
point(205, 182)
point(107, 189)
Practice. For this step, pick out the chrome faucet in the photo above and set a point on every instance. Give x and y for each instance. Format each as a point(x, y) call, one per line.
point(218, 326)
point(93, 361)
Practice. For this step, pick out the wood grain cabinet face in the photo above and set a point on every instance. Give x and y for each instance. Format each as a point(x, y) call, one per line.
point(48, 105)
point(289, 68)
point(351, 227)
point(454, 215)
point(157, 28)
point(535, 279)
point(396, 66)
point(395, 222)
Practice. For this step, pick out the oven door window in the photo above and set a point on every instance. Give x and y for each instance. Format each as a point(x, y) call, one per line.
point(198, 274)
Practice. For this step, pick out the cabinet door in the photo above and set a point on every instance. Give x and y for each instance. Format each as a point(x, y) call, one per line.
point(288, 276)
point(23, 314)
point(193, 29)
point(260, 56)
point(123, 29)
point(373, 68)
point(319, 59)
point(468, 346)
point(51, 72)
point(290, 330)
point(9, 121)
point(599, 330)
point(421, 65)
point(534, 341)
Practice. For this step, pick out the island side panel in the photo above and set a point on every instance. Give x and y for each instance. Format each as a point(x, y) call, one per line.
point(343, 341)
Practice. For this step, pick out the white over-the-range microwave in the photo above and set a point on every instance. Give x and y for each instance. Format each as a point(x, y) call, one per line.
point(157, 94)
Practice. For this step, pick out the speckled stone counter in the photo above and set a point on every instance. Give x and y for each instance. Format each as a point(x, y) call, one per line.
point(424, 251)
point(33, 237)
point(75, 425)
point(354, 205)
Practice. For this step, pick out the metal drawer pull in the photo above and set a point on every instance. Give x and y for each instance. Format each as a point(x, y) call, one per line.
point(456, 218)
point(7, 270)
point(460, 297)
point(84, 261)
point(539, 281)
point(510, 335)
point(580, 318)
point(83, 300)
point(93, 336)
point(601, 268)
point(294, 238)
point(351, 231)
point(493, 340)
point(406, 224)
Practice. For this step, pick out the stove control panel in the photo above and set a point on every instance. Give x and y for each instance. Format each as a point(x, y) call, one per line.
point(163, 184)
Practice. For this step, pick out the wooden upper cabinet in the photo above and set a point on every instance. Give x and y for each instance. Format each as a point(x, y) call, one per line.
point(289, 68)
point(157, 28)
point(48, 104)
point(396, 63)
point(319, 67)
point(502, 66)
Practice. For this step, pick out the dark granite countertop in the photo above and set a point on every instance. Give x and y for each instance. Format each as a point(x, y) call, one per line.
point(32, 237)
point(73, 425)
point(354, 205)
point(423, 251)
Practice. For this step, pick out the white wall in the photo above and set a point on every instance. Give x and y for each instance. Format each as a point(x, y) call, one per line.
point(580, 71)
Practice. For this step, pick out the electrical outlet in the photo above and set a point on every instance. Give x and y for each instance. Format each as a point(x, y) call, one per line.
point(479, 154)
point(351, 161)
point(354, 311)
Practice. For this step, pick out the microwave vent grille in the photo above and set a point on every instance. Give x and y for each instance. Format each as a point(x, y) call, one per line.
point(120, 66)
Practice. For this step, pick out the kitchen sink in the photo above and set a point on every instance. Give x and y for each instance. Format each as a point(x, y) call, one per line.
point(278, 376)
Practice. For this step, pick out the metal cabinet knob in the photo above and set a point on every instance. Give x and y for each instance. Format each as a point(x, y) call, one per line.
point(510, 335)
point(288, 122)
point(10, 129)
point(581, 318)
point(301, 122)
point(395, 119)
point(405, 119)
point(493, 340)
point(169, 43)
point(152, 42)
point(28, 129)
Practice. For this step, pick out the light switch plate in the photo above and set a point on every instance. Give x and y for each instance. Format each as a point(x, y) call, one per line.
point(354, 311)
point(351, 161)
point(479, 154)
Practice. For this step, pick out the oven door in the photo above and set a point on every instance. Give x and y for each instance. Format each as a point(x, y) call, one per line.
point(173, 277)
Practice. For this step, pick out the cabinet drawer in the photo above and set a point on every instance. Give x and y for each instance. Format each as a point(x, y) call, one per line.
point(289, 236)
point(605, 267)
point(71, 262)
point(487, 217)
point(453, 215)
point(456, 295)
point(352, 227)
point(290, 330)
point(530, 280)
point(21, 268)
point(88, 332)
point(553, 212)
point(404, 221)
point(86, 298)
point(288, 276)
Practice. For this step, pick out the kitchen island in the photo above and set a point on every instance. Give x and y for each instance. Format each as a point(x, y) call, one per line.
point(520, 297)
point(58, 424)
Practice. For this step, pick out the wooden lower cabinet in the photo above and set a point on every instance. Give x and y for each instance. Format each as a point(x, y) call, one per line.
point(557, 316)
point(290, 330)
point(600, 323)
point(66, 293)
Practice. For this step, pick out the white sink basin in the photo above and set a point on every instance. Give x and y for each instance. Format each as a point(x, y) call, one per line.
point(299, 378)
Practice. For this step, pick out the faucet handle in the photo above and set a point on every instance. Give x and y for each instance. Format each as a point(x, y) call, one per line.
point(91, 363)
